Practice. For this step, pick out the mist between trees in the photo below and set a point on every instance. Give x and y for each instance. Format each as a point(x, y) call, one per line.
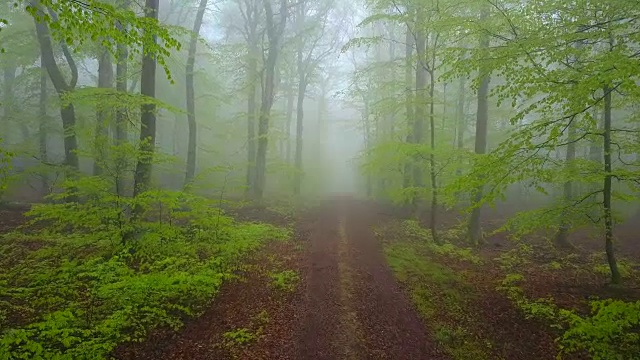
point(530, 106)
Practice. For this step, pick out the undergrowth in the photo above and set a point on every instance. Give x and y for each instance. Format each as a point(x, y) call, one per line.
point(611, 330)
point(96, 276)
point(440, 294)
point(235, 340)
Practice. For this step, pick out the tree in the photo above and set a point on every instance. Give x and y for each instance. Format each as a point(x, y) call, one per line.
point(482, 122)
point(309, 54)
point(62, 86)
point(275, 29)
point(122, 73)
point(191, 107)
point(142, 178)
point(105, 81)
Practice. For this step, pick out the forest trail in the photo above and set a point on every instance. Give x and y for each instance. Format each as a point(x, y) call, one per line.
point(348, 306)
point(358, 311)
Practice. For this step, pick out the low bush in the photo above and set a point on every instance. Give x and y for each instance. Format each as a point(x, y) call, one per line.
point(85, 284)
point(610, 331)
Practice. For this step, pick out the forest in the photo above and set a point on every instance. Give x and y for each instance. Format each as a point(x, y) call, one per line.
point(320, 179)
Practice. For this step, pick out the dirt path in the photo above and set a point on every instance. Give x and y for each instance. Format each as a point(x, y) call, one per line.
point(348, 305)
point(358, 309)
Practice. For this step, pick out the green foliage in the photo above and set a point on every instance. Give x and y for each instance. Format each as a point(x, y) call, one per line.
point(625, 266)
point(610, 331)
point(97, 21)
point(286, 280)
point(516, 258)
point(239, 337)
point(410, 229)
point(5, 167)
point(441, 296)
point(83, 291)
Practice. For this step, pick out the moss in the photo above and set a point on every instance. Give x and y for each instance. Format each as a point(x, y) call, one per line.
point(440, 294)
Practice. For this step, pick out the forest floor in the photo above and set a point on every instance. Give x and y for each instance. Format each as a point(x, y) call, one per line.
point(351, 301)
point(343, 289)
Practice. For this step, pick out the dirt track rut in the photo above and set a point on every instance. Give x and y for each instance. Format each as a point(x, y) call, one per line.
point(348, 305)
point(356, 310)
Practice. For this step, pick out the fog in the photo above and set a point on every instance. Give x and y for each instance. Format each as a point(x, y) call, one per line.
point(410, 103)
point(329, 178)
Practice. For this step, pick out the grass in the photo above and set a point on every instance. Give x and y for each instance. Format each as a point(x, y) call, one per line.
point(441, 295)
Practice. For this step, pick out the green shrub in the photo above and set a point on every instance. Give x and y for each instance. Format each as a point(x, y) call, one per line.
point(285, 280)
point(611, 331)
point(83, 290)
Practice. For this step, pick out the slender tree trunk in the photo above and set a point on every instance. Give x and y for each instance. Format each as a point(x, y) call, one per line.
point(251, 127)
point(274, 34)
point(142, 177)
point(289, 120)
point(67, 111)
point(191, 105)
point(252, 64)
point(302, 92)
point(459, 144)
point(596, 155)
point(302, 89)
point(409, 101)
point(432, 156)
point(560, 239)
point(121, 112)
point(105, 81)
point(43, 124)
point(367, 142)
point(606, 202)
point(420, 108)
point(444, 105)
point(482, 120)
point(322, 130)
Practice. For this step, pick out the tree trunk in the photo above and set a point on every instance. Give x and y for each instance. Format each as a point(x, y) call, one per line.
point(67, 111)
point(43, 124)
point(302, 89)
point(459, 138)
point(191, 105)
point(121, 112)
point(606, 202)
point(482, 120)
point(432, 156)
point(274, 34)
point(367, 142)
point(252, 64)
point(142, 177)
point(560, 238)
point(409, 101)
point(251, 127)
point(301, 67)
point(420, 108)
point(444, 105)
point(322, 130)
point(105, 81)
point(289, 120)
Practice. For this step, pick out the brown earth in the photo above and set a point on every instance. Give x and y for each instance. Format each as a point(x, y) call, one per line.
point(347, 306)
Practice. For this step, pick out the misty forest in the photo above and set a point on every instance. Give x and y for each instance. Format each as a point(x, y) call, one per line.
point(320, 179)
